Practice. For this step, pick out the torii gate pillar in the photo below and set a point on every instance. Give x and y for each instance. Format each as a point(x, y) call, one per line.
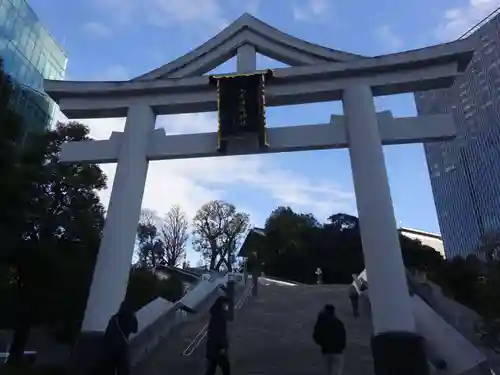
point(396, 346)
point(112, 270)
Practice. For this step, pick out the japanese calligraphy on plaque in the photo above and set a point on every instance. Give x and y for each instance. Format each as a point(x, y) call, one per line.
point(241, 106)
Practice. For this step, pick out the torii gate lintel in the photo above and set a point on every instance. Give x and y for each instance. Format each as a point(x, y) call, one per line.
point(331, 135)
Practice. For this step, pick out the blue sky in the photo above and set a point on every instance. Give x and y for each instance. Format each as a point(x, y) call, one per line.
point(119, 39)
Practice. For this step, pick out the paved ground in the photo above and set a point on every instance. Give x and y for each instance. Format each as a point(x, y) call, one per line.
point(272, 334)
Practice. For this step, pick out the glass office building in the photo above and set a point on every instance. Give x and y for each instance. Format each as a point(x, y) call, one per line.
point(29, 55)
point(465, 171)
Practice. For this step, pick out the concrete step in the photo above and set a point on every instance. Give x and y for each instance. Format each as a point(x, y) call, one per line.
point(272, 334)
point(169, 357)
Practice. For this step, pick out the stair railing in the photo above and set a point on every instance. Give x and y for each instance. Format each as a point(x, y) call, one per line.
point(197, 299)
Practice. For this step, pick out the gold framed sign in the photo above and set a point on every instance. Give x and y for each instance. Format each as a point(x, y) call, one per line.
point(241, 106)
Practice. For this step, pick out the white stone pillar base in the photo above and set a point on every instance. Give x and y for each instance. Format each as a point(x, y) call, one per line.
point(389, 297)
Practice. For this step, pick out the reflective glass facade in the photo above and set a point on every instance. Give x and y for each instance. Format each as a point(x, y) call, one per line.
point(465, 172)
point(30, 54)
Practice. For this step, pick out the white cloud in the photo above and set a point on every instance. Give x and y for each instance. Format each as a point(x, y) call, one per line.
point(102, 72)
point(307, 10)
point(388, 38)
point(251, 6)
point(202, 14)
point(120, 10)
point(190, 183)
point(456, 21)
point(115, 72)
point(95, 29)
point(208, 13)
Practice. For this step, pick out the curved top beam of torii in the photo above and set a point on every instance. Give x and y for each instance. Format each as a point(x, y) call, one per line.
point(417, 70)
point(247, 30)
point(323, 74)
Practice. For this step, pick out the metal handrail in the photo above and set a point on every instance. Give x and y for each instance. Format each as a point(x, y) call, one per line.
point(193, 345)
point(141, 344)
point(148, 339)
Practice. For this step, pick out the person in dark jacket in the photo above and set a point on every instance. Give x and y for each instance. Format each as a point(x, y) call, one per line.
point(116, 337)
point(330, 335)
point(217, 341)
point(354, 298)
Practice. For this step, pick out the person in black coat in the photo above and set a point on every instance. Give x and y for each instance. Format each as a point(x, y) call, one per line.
point(116, 337)
point(354, 298)
point(217, 342)
point(330, 335)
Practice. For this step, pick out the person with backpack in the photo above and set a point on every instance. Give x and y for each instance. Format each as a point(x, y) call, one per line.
point(217, 341)
point(330, 335)
point(116, 337)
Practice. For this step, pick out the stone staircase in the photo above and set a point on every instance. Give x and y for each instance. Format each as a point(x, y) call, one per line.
point(272, 334)
point(168, 357)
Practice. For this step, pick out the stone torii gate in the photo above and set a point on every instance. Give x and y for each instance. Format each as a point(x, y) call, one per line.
point(318, 74)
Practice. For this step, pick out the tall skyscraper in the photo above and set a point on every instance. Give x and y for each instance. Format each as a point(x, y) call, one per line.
point(465, 171)
point(29, 55)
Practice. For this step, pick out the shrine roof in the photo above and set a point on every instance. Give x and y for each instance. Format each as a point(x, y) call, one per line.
point(251, 242)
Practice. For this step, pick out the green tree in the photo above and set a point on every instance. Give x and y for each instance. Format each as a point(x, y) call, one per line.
point(52, 227)
point(52, 240)
point(490, 308)
point(144, 286)
point(295, 245)
point(461, 280)
point(289, 239)
point(417, 256)
point(217, 231)
point(150, 249)
point(341, 248)
point(161, 241)
point(50, 223)
point(490, 246)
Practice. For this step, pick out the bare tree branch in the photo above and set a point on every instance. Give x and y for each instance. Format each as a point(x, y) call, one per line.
point(173, 234)
point(217, 231)
point(148, 246)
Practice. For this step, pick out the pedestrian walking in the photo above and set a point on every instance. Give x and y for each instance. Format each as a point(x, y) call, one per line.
point(330, 335)
point(116, 338)
point(354, 298)
point(217, 341)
